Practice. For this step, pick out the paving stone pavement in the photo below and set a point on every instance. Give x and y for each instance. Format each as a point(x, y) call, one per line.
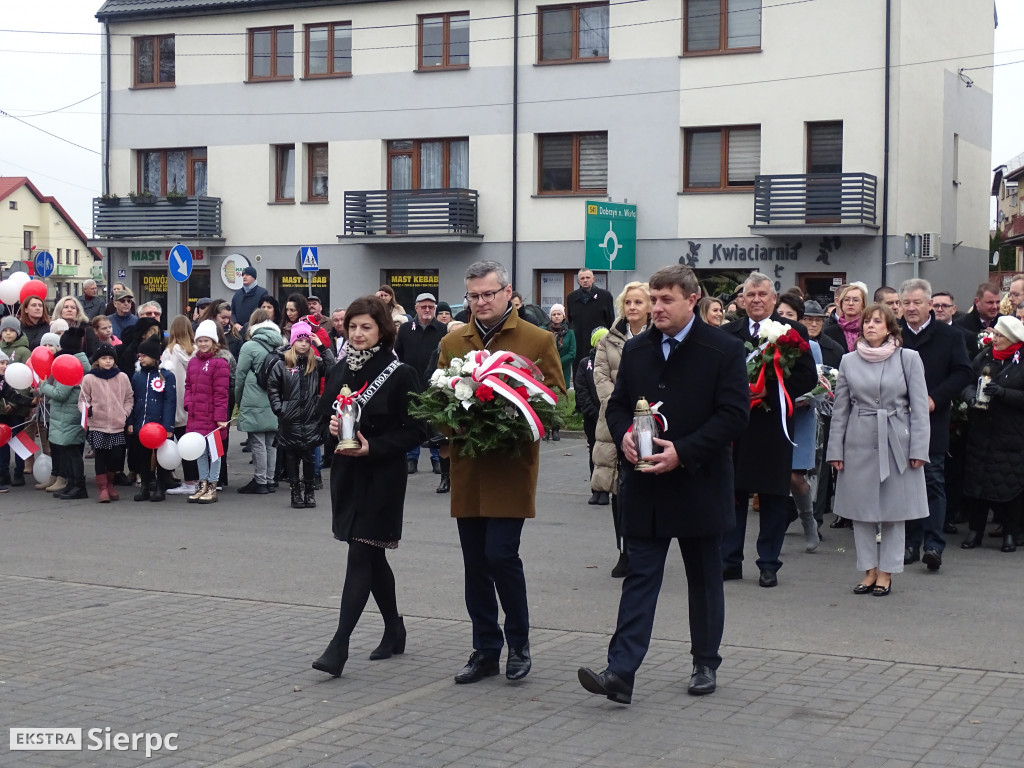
point(83, 644)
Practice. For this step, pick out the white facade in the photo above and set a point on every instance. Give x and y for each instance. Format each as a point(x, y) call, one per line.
point(817, 62)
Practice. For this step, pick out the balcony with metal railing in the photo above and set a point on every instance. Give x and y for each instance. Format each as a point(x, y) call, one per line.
point(815, 203)
point(411, 216)
point(156, 220)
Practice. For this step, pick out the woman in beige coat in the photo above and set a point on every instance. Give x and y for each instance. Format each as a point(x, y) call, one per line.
point(632, 316)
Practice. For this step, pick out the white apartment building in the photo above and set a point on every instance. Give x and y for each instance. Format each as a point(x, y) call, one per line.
point(406, 139)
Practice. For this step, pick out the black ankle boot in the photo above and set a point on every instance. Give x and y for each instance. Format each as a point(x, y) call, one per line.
point(145, 491)
point(446, 483)
point(75, 490)
point(392, 644)
point(158, 491)
point(297, 502)
point(332, 661)
point(309, 500)
point(1009, 544)
point(973, 540)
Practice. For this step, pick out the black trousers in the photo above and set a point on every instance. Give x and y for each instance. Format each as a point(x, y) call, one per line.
point(702, 559)
point(189, 469)
point(141, 459)
point(494, 571)
point(109, 459)
point(1007, 513)
point(292, 458)
point(68, 462)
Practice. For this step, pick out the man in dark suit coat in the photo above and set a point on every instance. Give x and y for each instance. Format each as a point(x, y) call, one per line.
point(698, 376)
point(946, 371)
point(983, 314)
point(587, 308)
point(763, 456)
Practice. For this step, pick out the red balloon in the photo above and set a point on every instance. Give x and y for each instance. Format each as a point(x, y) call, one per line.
point(152, 435)
point(41, 360)
point(33, 288)
point(68, 370)
point(5, 435)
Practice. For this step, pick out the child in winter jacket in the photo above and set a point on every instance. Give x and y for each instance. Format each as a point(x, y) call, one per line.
point(66, 435)
point(12, 341)
point(15, 405)
point(155, 403)
point(207, 384)
point(107, 401)
point(294, 390)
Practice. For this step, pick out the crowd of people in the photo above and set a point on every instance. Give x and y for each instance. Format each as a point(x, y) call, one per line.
point(915, 433)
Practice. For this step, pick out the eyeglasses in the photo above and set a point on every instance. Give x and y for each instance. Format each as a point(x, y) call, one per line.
point(486, 297)
point(942, 306)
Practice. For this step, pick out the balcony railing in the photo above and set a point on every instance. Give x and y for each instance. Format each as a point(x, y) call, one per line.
point(814, 199)
point(409, 212)
point(190, 217)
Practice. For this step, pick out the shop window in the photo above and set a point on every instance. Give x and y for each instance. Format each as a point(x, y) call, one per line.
point(572, 163)
point(572, 33)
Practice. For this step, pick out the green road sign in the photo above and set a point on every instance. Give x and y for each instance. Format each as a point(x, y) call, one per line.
point(610, 236)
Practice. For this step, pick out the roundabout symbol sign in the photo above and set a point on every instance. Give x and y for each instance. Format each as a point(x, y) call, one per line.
point(610, 239)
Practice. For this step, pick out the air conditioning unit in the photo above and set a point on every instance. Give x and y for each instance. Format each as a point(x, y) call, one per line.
point(930, 246)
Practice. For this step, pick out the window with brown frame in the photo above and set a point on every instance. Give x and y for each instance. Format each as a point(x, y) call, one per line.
point(153, 61)
point(444, 41)
point(428, 164)
point(316, 172)
point(572, 33)
point(329, 49)
point(181, 171)
point(284, 173)
point(720, 26)
point(725, 158)
point(271, 53)
point(572, 163)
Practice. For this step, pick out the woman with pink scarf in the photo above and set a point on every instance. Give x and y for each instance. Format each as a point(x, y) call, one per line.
point(853, 300)
point(878, 443)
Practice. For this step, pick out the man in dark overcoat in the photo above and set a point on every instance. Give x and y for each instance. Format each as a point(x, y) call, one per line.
point(697, 375)
point(946, 372)
point(415, 346)
point(763, 455)
point(587, 308)
point(493, 494)
point(983, 315)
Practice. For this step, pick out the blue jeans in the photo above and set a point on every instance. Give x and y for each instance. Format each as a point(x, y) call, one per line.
point(208, 470)
point(414, 454)
point(318, 460)
point(926, 532)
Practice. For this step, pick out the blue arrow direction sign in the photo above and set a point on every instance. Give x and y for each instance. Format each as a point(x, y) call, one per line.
point(309, 261)
point(44, 264)
point(179, 262)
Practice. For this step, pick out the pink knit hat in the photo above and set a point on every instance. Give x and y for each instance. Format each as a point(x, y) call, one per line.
point(299, 330)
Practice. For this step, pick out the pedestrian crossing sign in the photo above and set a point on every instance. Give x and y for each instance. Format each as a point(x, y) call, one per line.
point(309, 259)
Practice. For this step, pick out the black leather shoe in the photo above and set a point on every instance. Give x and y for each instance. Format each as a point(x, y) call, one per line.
point(703, 681)
point(911, 555)
point(333, 659)
point(411, 466)
point(251, 487)
point(145, 491)
point(731, 572)
point(602, 499)
point(932, 558)
point(518, 663)
point(840, 522)
point(950, 529)
point(594, 497)
point(973, 540)
point(621, 567)
point(445, 485)
point(76, 491)
point(606, 683)
point(1009, 544)
point(477, 668)
point(435, 465)
point(768, 579)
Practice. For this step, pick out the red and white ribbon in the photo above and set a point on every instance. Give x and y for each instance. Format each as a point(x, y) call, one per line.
point(491, 365)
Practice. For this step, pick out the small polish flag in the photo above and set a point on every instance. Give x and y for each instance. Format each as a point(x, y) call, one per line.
point(215, 443)
point(23, 446)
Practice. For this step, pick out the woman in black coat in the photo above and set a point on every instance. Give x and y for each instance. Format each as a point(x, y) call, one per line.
point(368, 482)
point(994, 473)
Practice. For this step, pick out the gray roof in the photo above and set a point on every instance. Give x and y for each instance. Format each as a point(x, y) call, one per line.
point(131, 10)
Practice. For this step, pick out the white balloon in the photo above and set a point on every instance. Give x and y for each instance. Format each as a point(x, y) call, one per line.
point(19, 375)
point(167, 455)
point(19, 279)
point(190, 445)
point(9, 292)
point(42, 468)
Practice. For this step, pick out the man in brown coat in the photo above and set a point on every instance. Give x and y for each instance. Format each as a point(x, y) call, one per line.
point(493, 494)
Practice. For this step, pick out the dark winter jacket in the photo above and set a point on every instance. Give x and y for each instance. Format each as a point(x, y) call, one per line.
point(947, 370)
point(207, 388)
point(156, 398)
point(587, 401)
point(831, 350)
point(34, 333)
point(416, 343)
point(94, 306)
point(244, 303)
point(19, 400)
point(994, 468)
point(585, 311)
point(972, 325)
point(368, 492)
point(836, 334)
point(704, 394)
point(293, 397)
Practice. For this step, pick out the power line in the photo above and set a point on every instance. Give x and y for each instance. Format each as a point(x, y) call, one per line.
point(46, 176)
point(61, 109)
point(54, 135)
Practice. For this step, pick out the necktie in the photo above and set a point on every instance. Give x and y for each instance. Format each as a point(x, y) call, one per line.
point(672, 344)
point(757, 327)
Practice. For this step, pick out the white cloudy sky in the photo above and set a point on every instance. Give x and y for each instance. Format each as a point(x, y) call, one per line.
point(44, 71)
